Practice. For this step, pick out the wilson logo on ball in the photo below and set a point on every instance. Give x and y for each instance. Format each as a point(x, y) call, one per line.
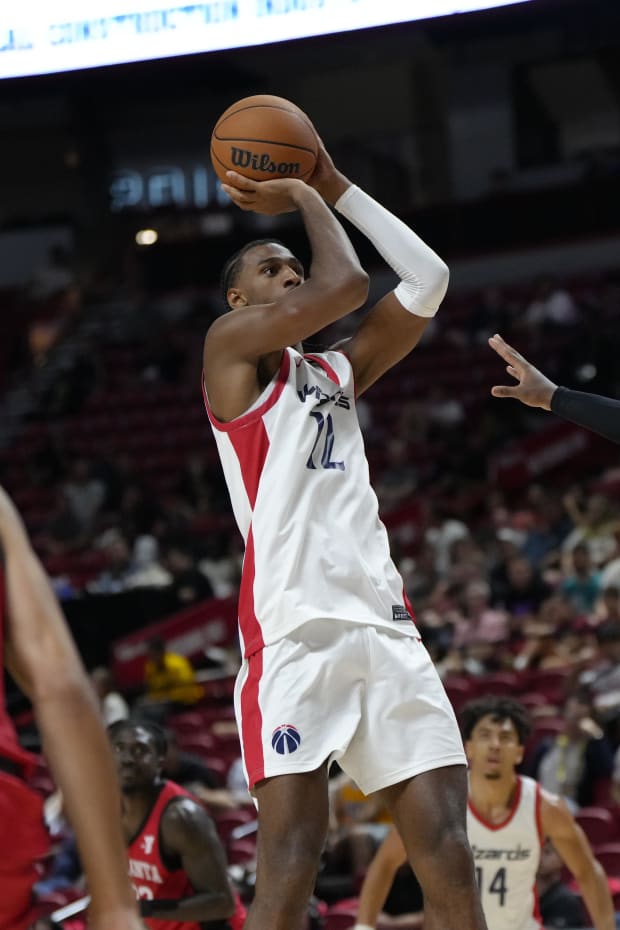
point(245, 158)
point(285, 739)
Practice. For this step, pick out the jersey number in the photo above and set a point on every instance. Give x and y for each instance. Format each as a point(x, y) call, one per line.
point(327, 424)
point(497, 886)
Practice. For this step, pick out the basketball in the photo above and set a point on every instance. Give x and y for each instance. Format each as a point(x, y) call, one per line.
point(264, 137)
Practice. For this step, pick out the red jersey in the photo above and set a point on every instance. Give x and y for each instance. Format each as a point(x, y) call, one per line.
point(10, 750)
point(153, 878)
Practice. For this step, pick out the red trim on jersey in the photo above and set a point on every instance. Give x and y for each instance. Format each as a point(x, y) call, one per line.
point(327, 368)
point(251, 446)
point(248, 621)
point(252, 721)
point(409, 606)
point(246, 418)
point(511, 813)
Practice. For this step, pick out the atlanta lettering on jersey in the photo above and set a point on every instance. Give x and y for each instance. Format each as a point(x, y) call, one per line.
point(339, 398)
point(145, 871)
point(518, 854)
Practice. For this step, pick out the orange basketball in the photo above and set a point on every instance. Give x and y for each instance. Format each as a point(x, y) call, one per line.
point(264, 137)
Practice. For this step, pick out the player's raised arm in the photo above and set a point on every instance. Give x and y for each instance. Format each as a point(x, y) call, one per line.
point(42, 657)
point(188, 833)
point(395, 325)
point(378, 880)
point(574, 849)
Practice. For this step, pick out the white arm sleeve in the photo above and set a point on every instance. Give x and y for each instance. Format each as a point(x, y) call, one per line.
point(423, 275)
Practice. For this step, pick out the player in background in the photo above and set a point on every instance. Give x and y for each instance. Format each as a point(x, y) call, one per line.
point(333, 664)
point(599, 414)
point(176, 860)
point(40, 655)
point(508, 819)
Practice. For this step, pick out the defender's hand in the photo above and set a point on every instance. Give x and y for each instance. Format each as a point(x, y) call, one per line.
point(533, 388)
point(282, 195)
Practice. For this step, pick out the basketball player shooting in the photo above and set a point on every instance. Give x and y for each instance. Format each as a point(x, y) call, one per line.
point(599, 414)
point(333, 664)
point(508, 819)
point(40, 655)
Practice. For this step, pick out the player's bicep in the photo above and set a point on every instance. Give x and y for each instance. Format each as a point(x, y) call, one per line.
point(386, 335)
point(567, 836)
point(191, 834)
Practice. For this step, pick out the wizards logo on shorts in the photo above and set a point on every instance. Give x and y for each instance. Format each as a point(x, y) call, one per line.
point(285, 739)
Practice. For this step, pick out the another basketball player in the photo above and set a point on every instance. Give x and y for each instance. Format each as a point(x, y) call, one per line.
point(333, 664)
point(39, 653)
point(600, 414)
point(508, 819)
point(176, 861)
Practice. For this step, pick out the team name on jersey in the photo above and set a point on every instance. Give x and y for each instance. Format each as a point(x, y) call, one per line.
point(518, 854)
point(145, 870)
point(339, 398)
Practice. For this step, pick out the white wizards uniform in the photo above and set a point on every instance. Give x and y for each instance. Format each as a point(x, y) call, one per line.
point(506, 857)
point(298, 479)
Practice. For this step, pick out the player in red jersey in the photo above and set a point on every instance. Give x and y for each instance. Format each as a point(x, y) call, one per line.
point(176, 861)
point(37, 649)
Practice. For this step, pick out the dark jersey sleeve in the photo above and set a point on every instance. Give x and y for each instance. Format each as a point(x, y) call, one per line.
point(600, 414)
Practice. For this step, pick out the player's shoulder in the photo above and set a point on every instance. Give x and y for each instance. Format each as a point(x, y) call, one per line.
point(554, 812)
point(183, 821)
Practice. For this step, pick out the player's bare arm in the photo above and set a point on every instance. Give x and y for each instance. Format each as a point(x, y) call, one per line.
point(394, 326)
point(188, 834)
point(41, 656)
point(379, 878)
point(532, 388)
point(573, 847)
point(238, 342)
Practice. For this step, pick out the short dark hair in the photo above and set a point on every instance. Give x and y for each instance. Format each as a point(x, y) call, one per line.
point(230, 271)
point(156, 644)
point(156, 733)
point(499, 709)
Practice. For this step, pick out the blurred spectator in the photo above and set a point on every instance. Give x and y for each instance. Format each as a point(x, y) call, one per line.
point(170, 679)
point(596, 524)
point(194, 485)
point(63, 532)
point(113, 705)
point(444, 411)
point(603, 677)
point(552, 304)
point(64, 872)
point(442, 532)
point(358, 824)
point(608, 607)
point(480, 621)
point(189, 585)
point(582, 587)
point(525, 590)
point(559, 906)
point(221, 564)
point(114, 577)
point(84, 493)
point(146, 571)
point(578, 761)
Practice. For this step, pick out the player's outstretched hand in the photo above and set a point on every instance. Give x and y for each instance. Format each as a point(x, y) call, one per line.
point(532, 388)
point(281, 195)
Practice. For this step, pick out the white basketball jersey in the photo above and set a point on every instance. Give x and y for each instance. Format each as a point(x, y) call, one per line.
point(298, 479)
point(506, 857)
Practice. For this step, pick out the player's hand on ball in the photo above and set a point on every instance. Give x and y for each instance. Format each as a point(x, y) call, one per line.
point(270, 197)
point(533, 388)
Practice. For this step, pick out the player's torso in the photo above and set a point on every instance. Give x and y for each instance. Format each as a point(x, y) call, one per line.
point(506, 858)
point(150, 875)
point(298, 477)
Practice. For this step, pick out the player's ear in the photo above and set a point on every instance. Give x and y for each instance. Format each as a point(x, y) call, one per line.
point(236, 298)
point(519, 756)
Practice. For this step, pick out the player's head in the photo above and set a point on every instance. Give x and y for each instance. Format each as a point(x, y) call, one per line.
point(494, 732)
point(140, 748)
point(260, 273)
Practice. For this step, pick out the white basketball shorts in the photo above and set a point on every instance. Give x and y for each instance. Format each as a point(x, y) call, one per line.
point(365, 696)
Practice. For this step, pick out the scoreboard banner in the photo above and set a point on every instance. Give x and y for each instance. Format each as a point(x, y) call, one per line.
point(43, 37)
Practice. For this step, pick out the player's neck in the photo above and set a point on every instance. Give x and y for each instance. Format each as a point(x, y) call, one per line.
point(136, 807)
point(493, 800)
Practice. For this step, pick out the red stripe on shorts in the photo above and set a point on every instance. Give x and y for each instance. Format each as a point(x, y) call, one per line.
point(252, 721)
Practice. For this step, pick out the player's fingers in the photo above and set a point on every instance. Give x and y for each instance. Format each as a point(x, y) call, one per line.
point(238, 180)
point(506, 351)
point(239, 197)
point(502, 390)
point(512, 371)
